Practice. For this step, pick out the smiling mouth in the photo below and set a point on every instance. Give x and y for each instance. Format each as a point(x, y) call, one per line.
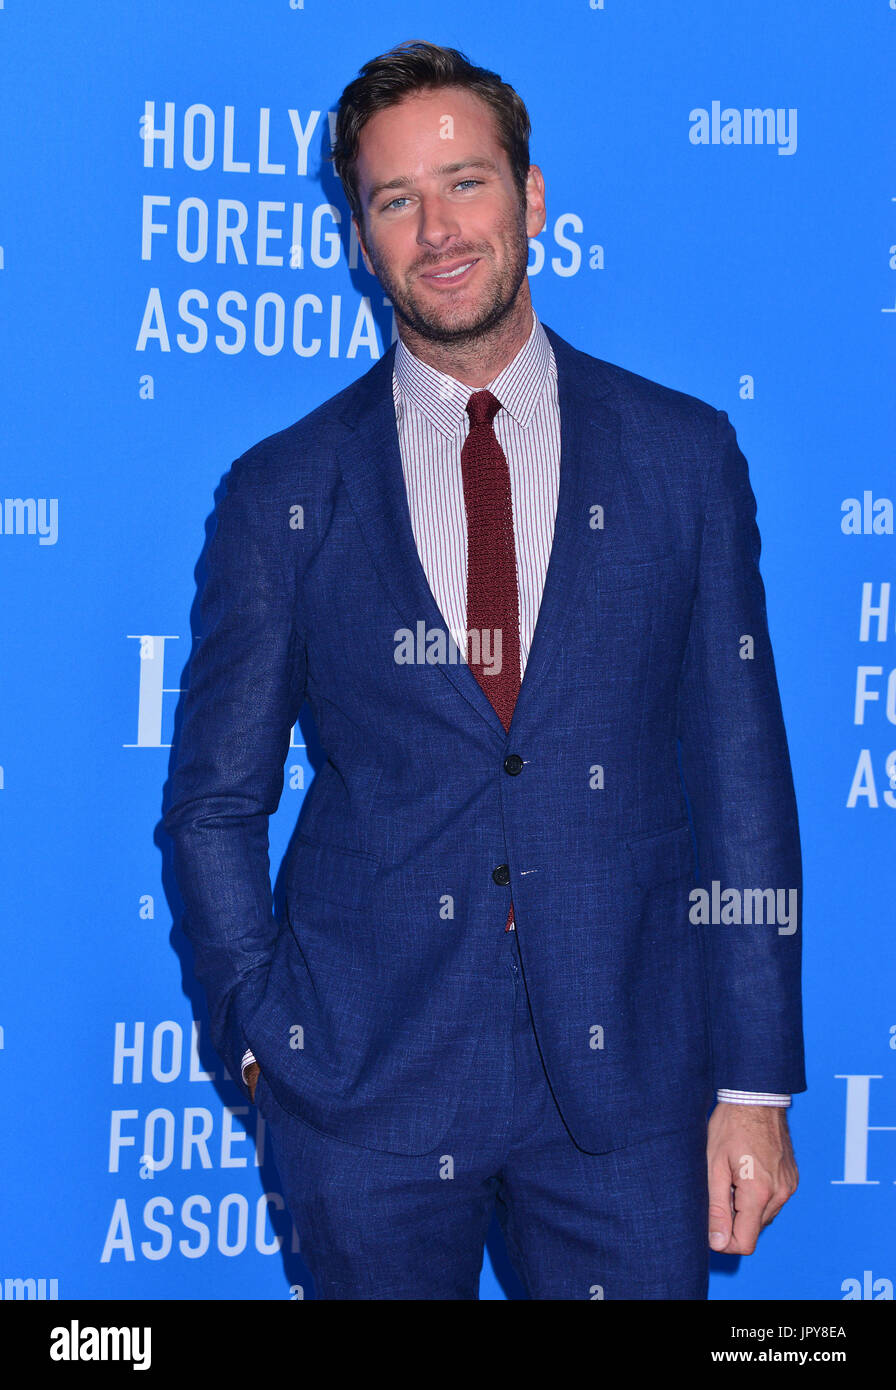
point(456, 273)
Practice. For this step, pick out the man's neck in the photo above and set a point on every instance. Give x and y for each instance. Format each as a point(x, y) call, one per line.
point(476, 361)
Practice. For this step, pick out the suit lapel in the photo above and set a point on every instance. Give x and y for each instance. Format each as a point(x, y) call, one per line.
point(590, 467)
point(371, 468)
point(370, 460)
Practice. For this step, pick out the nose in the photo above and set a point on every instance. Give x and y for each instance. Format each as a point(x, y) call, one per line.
point(438, 225)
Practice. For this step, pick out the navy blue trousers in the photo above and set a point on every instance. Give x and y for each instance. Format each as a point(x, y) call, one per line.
point(631, 1224)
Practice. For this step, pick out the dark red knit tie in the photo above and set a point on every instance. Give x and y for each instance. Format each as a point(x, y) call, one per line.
point(492, 592)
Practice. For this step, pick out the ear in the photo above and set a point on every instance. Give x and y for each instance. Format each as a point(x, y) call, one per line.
point(359, 234)
point(535, 206)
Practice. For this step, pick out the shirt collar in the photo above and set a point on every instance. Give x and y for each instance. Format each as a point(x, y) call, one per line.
point(443, 399)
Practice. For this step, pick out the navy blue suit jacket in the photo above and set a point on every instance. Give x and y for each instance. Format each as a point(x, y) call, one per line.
point(365, 1003)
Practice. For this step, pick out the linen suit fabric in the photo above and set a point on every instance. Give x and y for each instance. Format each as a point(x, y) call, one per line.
point(629, 1224)
point(635, 667)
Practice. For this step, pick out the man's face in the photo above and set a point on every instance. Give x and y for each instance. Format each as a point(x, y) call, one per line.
point(449, 204)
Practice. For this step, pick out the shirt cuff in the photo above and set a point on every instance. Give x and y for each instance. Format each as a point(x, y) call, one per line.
point(753, 1098)
point(248, 1058)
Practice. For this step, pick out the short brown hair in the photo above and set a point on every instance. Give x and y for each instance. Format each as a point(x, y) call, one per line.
point(416, 66)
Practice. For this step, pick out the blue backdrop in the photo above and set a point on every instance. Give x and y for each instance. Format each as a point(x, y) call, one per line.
point(178, 281)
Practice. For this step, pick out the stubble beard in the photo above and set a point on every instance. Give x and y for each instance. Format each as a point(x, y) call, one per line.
point(476, 321)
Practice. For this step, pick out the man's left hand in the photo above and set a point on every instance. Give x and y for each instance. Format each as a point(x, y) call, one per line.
point(752, 1173)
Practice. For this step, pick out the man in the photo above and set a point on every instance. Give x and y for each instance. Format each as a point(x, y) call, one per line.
point(493, 983)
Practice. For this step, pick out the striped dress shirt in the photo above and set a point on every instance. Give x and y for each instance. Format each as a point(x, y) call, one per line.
point(430, 412)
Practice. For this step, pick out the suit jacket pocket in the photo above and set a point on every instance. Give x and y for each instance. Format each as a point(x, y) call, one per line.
point(662, 855)
point(339, 876)
point(613, 574)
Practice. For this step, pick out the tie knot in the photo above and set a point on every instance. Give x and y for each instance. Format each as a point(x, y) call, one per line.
point(482, 407)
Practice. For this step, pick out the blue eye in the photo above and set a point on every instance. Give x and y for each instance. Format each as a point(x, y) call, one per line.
point(401, 198)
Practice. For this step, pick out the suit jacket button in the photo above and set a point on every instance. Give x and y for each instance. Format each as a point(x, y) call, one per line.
point(501, 875)
point(513, 764)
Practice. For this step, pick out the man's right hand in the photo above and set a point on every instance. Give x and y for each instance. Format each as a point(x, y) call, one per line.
point(253, 1072)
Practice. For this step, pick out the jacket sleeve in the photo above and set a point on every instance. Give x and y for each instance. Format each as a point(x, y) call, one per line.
point(737, 776)
point(246, 688)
